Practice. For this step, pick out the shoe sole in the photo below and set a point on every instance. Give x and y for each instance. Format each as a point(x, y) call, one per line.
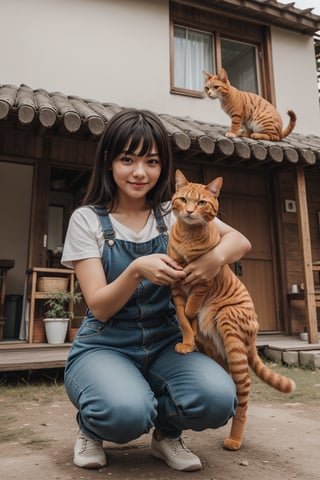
point(189, 468)
point(89, 465)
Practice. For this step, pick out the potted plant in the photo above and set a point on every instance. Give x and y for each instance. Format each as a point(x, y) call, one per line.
point(58, 314)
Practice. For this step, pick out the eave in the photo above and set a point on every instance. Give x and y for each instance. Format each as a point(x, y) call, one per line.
point(265, 12)
point(58, 114)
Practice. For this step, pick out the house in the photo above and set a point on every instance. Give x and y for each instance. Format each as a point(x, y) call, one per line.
point(71, 65)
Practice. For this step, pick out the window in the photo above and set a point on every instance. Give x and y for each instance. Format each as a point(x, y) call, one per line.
point(239, 59)
point(193, 53)
point(208, 40)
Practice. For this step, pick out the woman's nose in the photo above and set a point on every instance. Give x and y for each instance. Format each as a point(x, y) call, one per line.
point(139, 169)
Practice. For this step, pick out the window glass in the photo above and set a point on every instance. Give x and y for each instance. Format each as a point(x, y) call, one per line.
point(193, 53)
point(239, 60)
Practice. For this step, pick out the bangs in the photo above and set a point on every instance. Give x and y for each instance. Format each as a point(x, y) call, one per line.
point(143, 137)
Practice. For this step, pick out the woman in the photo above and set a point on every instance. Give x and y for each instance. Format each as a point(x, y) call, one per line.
point(123, 374)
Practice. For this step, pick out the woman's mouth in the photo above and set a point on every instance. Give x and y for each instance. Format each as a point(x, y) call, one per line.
point(137, 185)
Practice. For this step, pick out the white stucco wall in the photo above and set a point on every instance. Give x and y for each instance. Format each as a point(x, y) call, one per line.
point(117, 51)
point(101, 49)
point(295, 79)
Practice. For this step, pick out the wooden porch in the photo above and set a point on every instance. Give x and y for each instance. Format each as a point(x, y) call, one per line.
point(18, 356)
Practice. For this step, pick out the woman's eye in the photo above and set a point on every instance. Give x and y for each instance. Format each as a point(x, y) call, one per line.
point(153, 161)
point(202, 203)
point(126, 160)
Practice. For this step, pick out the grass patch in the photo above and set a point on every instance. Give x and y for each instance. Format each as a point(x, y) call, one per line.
point(42, 393)
point(307, 386)
point(38, 442)
point(12, 432)
point(9, 432)
point(39, 386)
point(16, 393)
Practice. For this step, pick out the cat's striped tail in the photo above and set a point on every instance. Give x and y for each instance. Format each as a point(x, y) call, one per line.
point(291, 125)
point(279, 382)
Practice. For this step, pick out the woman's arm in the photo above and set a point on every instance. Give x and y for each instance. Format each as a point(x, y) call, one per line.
point(233, 246)
point(105, 299)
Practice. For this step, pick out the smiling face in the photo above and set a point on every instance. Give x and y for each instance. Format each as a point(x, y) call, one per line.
point(135, 174)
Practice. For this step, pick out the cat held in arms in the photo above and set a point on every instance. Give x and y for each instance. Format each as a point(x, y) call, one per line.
point(218, 317)
point(251, 115)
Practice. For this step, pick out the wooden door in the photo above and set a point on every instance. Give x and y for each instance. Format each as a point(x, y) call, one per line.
point(245, 205)
point(250, 215)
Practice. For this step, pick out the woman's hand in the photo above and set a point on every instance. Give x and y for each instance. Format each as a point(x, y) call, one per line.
point(232, 246)
point(104, 300)
point(159, 268)
point(203, 269)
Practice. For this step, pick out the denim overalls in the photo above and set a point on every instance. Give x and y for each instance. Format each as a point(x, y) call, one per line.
point(124, 375)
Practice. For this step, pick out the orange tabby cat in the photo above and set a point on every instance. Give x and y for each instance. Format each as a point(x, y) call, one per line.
point(251, 115)
point(218, 317)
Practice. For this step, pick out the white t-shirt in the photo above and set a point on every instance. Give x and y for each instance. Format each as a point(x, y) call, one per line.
point(85, 239)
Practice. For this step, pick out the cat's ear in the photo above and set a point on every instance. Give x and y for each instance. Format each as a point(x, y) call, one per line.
point(223, 76)
point(206, 74)
point(215, 186)
point(181, 180)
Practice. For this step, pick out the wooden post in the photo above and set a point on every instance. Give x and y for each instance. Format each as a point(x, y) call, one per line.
point(304, 232)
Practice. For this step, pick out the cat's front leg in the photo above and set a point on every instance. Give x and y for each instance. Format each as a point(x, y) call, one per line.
point(188, 337)
point(231, 134)
point(235, 130)
point(195, 300)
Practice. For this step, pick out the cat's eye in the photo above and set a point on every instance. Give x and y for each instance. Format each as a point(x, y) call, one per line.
point(183, 199)
point(202, 203)
point(216, 87)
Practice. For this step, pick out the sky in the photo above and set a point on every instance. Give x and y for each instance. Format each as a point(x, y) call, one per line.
point(302, 4)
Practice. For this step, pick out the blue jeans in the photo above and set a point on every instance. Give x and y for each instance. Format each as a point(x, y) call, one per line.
point(124, 377)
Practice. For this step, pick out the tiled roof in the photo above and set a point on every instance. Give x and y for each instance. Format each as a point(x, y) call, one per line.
point(189, 137)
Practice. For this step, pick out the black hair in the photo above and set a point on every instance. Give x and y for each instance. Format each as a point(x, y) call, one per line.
point(143, 129)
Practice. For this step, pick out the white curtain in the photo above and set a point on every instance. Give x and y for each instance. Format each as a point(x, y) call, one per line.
point(193, 53)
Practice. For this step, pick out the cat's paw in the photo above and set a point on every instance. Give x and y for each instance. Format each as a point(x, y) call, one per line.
point(185, 347)
point(231, 444)
point(231, 135)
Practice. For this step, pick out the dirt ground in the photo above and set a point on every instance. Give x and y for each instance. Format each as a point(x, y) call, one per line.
point(281, 443)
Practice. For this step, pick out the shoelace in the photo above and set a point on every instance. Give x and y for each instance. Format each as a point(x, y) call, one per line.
point(177, 445)
point(86, 444)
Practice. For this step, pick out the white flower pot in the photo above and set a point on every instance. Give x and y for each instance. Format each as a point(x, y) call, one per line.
point(56, 329)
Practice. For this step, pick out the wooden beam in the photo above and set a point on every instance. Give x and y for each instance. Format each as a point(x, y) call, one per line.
point(304, 232)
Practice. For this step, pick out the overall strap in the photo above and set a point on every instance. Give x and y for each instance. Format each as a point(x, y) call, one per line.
point(160, 222)
point(108, 232)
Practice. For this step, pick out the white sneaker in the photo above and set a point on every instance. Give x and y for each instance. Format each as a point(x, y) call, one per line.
point(88, 453)
point(175, 454)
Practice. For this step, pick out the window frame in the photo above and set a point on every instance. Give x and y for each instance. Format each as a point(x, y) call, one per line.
point(212, 22)
point(179, 90)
